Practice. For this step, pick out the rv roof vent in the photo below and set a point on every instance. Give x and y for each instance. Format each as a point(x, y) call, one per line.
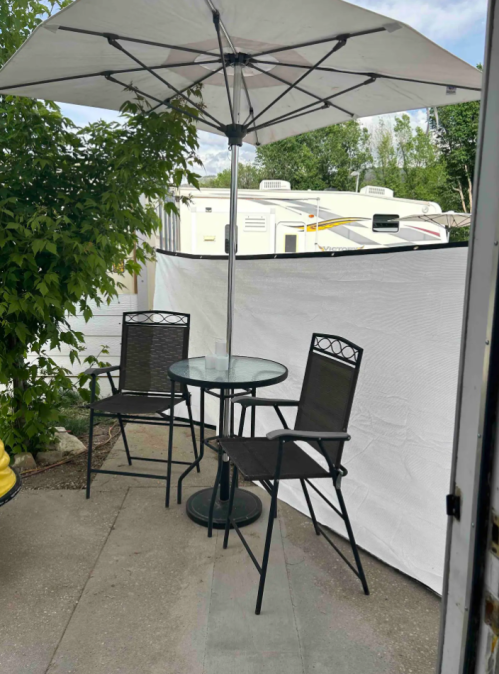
point(275, 185)
point(375, 191)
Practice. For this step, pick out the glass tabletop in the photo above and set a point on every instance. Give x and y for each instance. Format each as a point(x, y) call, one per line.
point(243, 371)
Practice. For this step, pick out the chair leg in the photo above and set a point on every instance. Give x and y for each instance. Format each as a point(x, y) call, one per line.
point(214, 495)
point(351, 537)
point(310, 508)
point(170, 451)
point(125, 441)
point(241, 422)
point(201, 450)
point(229, 508)
point(266, 552)
point(193, 432)
point(89, 455)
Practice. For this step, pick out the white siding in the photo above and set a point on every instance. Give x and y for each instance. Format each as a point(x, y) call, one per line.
point(103, 329)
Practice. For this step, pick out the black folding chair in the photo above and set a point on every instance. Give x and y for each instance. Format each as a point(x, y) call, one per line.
point(322, 421)
point(151, 341)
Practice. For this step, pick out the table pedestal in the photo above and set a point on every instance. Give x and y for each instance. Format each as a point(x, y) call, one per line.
point(246, 375)
point(247, 508)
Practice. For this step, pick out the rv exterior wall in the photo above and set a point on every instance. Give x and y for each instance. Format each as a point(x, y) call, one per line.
point(274, 221)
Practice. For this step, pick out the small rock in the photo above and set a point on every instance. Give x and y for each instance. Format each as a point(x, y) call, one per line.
point(24, 461)
point(67, 444)
point(49, 458)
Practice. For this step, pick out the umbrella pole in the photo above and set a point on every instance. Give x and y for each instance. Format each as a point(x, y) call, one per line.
point(232, 245)
point(234, 147)
point(225, 480)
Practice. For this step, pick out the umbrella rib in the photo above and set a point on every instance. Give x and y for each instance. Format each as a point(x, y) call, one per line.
point(134, 39)
point(251, 111)
point(341, 43)
point(296, 112)
point(120, 47)
point(287, 119)
point(166, 102)
point(191, 86)
point(102, 73)
point(369, 74)
point(216, 21)
point(304, 91)
point(343, 36)
point(222, 27)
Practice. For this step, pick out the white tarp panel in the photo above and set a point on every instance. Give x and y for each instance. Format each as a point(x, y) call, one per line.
point(405, 309)
point(68, 57)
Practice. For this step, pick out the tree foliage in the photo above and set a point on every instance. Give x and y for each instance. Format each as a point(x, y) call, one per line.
point(456, 132)
point(407, 161)
point(248, 177)
point(318, 160)
point(74, 203)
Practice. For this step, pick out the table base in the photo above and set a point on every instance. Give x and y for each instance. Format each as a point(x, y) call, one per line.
point(247, 508)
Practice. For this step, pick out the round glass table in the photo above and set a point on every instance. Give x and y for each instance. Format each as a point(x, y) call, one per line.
point(208, 507)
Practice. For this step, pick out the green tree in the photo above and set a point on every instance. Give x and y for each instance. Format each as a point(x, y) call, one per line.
point(73, 204)
point(423, 171)
point(409, 162)
point(248, 178)
point(456, 131)
point(318, 159)
point(385, 169)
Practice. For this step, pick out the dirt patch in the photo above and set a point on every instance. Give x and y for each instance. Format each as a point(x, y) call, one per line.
point(73, 474)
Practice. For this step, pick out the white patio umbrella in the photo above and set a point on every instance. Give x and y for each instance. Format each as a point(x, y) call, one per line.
point(268, 69)
point(449, 220)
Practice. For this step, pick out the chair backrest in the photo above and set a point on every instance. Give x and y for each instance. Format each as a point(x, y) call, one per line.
point(328, 389)
point(151, 342)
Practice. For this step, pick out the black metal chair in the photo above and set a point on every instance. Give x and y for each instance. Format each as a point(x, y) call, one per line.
point(322, 421)
point(151, 341)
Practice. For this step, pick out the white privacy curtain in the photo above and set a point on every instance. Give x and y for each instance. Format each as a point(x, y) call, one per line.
point(404, 309)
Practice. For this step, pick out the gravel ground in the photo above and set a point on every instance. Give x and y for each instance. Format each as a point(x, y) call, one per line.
point(73, 475)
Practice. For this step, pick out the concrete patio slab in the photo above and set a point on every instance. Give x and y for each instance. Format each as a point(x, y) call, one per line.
point(145, 607)
point(119, 584)
point(237, 638)
point(49, 544)
point(154, 443)
point(392, 631)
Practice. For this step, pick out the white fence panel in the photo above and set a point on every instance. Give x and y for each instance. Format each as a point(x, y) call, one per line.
point(404, 308)
point(103, 329)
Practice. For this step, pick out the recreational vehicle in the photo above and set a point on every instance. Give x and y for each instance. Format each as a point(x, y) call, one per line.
point(276, 219)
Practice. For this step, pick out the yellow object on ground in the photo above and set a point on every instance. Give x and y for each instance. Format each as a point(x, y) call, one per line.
point(10, 482)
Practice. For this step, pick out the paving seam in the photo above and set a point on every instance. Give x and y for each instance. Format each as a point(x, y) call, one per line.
point(215, 532)
point(77, 602)
point(291, 596)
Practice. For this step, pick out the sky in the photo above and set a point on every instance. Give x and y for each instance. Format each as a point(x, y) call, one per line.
point(456, 25)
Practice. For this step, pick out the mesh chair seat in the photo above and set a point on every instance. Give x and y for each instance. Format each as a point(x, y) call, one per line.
point(256, 459)
point(121, 403)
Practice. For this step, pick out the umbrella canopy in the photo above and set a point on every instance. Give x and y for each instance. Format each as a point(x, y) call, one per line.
point(304, 65)
point(447, 220)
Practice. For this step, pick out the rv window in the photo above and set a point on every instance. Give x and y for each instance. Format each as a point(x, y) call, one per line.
point(383, 222)
point(290, 243)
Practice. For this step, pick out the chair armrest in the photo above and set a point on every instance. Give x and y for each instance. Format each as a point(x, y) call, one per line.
point(247, 401)
point(94, 371)
point(285, 434)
